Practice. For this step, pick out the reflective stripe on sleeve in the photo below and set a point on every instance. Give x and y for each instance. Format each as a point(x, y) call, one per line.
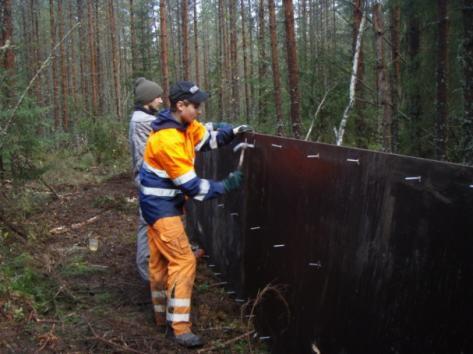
point(159, 308)
point(178, 317)
point(186, 177)
point(203, 190)
point(179, 302)
point(160, 192)
point(213, 140)
point(202, 142)
point(160, 294)
point(159, 173)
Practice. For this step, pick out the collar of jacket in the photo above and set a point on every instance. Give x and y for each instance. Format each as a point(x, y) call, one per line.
point(151, 112)
point(165, 120)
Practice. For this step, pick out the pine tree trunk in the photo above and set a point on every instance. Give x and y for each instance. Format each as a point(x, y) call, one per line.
point(252, 59)
point(64, 88)
point(275, 66)
point(164, 49)
point(227, 72)
point(175, 59)
point(185, 38)
point(7, 38)
point(413, 90)
point(441, 126)
point(396, 71)
point(245, 60)
point(92, 63)
point(35, 9)
point(98, 60)
point(361, 132)
point(73, 62)
point(467, 12)
point(235, 101)
point(82, 56)
point(303, 28)
point(115, 60)
point(52, 21)
point(209, 105)
point(196, 46)
point(25, 31)
point(7, 63)
point(221, 55)
point(125, 57)
point(133, 39)
point(262, 111)
point(292, 68)
point(382, 80)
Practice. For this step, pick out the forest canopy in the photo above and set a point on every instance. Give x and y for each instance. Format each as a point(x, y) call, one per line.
point(291, 68)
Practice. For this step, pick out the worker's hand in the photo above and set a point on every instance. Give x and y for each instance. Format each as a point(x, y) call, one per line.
point(242, 129)
point(233, 181)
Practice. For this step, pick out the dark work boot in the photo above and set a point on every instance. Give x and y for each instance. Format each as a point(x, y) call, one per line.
point(189, 340)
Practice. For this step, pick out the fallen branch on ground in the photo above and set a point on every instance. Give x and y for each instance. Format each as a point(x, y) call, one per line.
point(20, 235)
point(259, 298)
point(123, 348)
point(47, 339)
point(62, 229)
point(228, 342)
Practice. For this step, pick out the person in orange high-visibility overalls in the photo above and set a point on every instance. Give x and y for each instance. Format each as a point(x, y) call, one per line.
point(167, 177)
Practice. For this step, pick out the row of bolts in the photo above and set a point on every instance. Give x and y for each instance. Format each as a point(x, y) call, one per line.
point(317, 156)
point(311, 264)
point(357, 161)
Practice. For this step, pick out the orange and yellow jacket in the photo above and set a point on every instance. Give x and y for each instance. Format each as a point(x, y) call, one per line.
point(168, 175)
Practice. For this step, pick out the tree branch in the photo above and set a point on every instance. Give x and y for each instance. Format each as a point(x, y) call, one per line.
point(43, 66)
point(317, 112)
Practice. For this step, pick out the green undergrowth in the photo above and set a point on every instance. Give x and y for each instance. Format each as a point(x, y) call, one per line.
point(77, 266)
point(24, 287)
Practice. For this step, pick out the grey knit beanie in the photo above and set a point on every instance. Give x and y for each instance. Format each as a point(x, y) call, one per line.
point(146, 91)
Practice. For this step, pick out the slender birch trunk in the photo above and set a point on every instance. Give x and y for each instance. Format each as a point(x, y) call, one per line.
point(339, 134)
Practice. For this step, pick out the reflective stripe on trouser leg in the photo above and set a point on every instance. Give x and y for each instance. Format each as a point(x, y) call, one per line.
point(157, 279)
point(174, 245)
point(178, 310)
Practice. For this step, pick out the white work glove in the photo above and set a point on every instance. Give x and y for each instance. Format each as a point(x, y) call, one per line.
point(242, 129)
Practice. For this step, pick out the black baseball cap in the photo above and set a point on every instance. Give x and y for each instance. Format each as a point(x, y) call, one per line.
point(187, 90)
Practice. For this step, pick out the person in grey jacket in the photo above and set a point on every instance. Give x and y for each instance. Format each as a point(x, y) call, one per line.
point(147, 102)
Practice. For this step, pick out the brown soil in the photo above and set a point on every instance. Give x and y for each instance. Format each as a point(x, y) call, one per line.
point(101, 305)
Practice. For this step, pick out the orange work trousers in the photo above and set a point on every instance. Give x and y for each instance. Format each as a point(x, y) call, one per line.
point(172, 266)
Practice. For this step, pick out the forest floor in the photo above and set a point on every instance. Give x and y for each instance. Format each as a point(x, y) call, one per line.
point(94, 302)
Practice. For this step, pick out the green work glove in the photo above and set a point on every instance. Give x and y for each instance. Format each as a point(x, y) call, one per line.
point(242, 129)
point(233, 181)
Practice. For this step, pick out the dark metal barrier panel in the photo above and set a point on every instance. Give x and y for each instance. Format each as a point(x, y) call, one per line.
point(375, 251)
